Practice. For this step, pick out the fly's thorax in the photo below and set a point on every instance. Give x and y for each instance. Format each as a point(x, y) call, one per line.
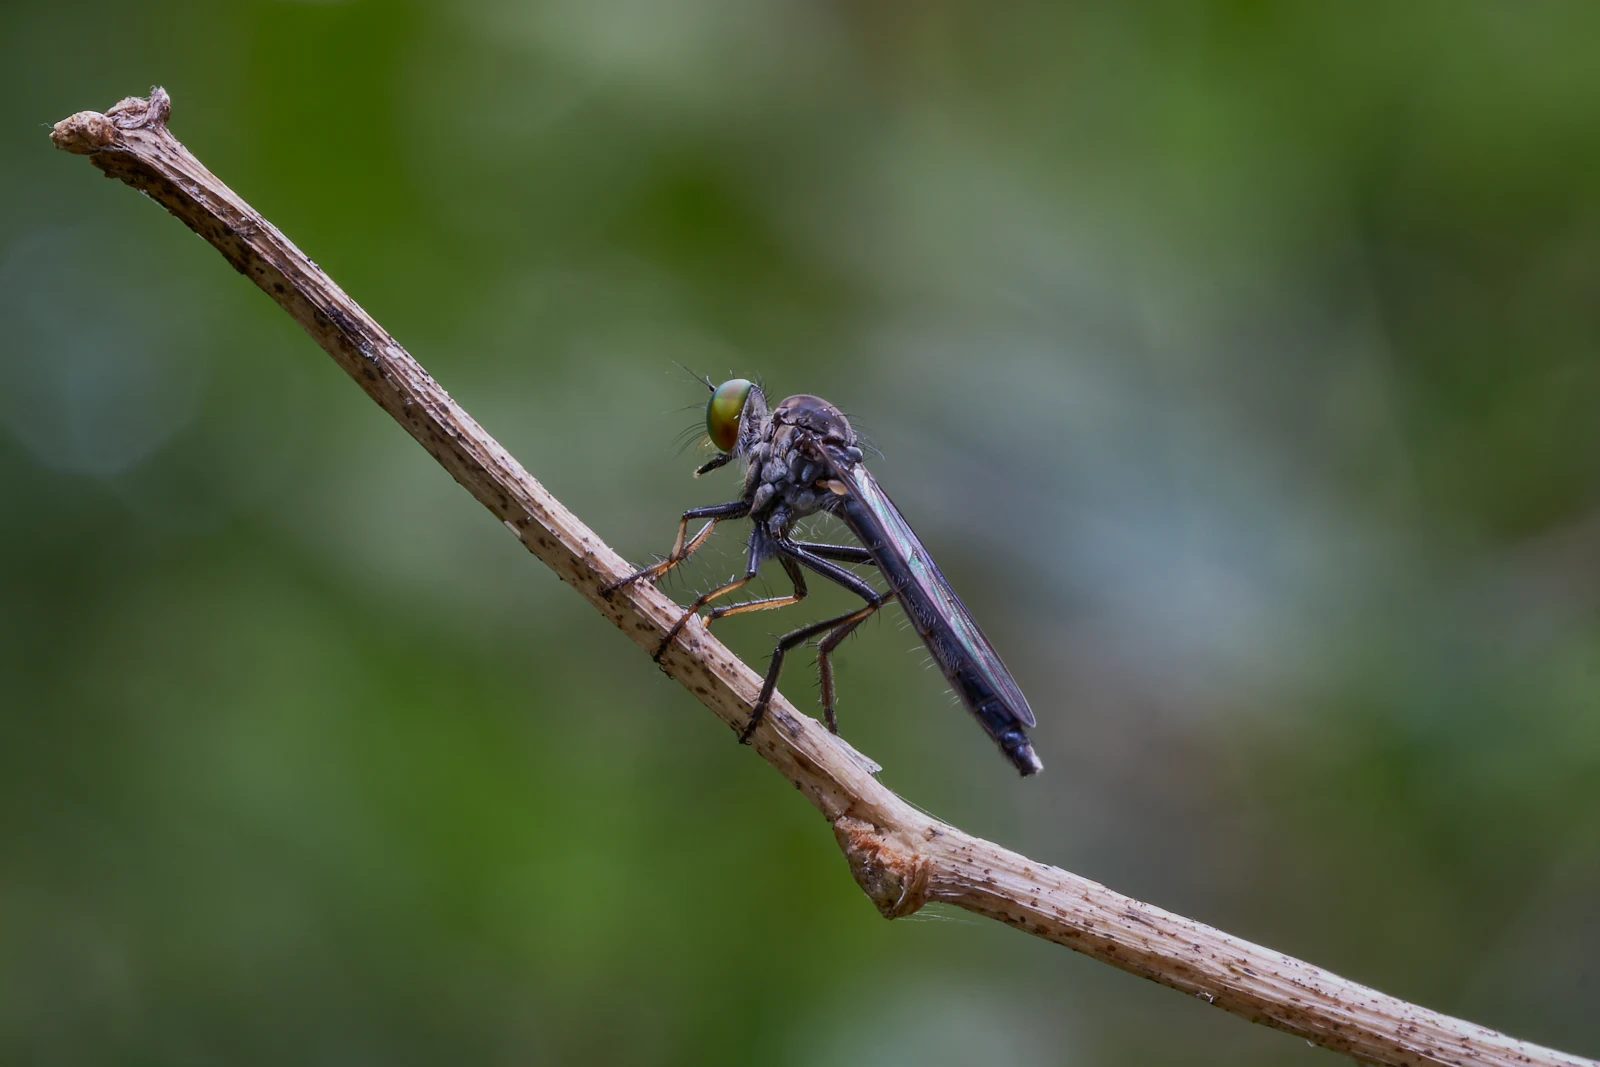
point(788, 473)
point(755, 458)
point(815, 417)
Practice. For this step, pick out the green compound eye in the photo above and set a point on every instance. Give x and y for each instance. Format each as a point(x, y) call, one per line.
point(722, 414)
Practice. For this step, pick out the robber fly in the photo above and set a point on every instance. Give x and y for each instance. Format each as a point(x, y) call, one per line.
point(802, 458)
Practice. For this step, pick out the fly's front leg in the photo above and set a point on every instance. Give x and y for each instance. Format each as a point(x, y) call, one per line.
point(682, 550)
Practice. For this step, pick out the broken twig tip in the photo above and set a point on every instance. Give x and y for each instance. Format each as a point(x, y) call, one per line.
point(137, 113)
point(90, 131)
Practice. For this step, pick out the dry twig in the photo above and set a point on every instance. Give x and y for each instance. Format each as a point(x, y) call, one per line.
point(901, 857)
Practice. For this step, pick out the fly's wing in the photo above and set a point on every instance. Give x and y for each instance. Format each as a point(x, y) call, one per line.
point(913, 561)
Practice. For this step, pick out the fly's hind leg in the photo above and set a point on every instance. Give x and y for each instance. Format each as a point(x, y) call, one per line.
point(791, 552)
point(825, 649)
point(775, 667)
point(840, 553)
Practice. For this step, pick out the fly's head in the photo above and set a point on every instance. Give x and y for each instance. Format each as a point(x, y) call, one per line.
point(804, 435)
point(736, 421)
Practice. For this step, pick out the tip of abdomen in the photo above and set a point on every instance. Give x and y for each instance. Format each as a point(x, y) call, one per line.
point(1001, 724)
point(1019, 750)
point(1025, 760)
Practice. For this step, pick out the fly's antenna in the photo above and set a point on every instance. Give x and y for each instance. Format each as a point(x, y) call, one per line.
point(700, 379)
point(693, 435)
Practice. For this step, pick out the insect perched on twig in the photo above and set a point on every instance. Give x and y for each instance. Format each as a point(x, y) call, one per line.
point(802, 459)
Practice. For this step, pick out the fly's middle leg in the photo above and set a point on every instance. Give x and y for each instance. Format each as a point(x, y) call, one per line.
point(752, 565)
point(694, 609)
point(764, 603)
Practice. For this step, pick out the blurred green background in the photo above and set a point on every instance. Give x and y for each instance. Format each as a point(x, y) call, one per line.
point(1237, 361)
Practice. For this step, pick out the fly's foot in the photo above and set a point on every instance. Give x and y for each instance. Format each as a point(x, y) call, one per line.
point(757, 713)
point(611, 587)
point(671, 636)
point(647, 574)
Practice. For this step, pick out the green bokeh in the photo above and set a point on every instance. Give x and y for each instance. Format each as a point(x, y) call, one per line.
point(1240, 363)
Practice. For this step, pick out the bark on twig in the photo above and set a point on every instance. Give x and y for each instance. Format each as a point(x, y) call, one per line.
point(900, 857)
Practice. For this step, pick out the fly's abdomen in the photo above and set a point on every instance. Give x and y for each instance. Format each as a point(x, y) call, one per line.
point(973, 683)
point(964, 655)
